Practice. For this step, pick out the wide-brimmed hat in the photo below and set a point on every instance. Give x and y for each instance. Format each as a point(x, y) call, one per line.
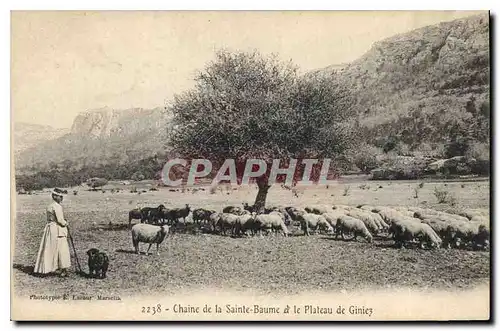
point(59, 192)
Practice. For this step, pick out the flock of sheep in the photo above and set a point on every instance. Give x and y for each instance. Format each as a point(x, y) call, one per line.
point(407, 226)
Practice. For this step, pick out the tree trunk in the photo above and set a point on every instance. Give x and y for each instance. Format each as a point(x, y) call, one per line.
point(260, 200)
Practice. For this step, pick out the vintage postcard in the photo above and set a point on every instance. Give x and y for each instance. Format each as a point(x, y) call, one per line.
point(250, 165)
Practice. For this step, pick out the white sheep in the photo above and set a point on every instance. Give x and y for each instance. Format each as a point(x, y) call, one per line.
point(295, 214)
point(366, 218)
point(333, 216)
point(371, 208)
point(318, 209)
point(408, 230)
point(453, 216)
point(396, 226)
point(243, 223)
point(443, 230)
point(347, 224)
point(344, 207)
point(390, 215)
point(430, 213)
point(373, 211)
point(324, 226)
point(365, 207)
point(227, 221)
point(404, 210)
point(470, 213)
point(453, 230)
point(412, 219)
point(273, 221)
point(379, 221)
point(314, 222)
point(472, 233)
point(481, 219)
point(442, 216)
point(213, 220)
point(150, 234)
point(423, 214)
point(281, 210)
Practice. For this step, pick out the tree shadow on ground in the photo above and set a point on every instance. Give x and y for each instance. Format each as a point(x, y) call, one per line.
point(126, 251)
point(29, 270)
point(83, 274)
point(111, 227)
point(347, 239)
point(391, 245)
point(189, 228)
point(334, 239)
point(129, 251)
point(296, 234)
point(383, 238)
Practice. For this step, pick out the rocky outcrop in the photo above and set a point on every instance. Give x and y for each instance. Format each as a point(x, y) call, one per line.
point(103, 135)
point(97, 123)
point(106, 123)
point(424, 82)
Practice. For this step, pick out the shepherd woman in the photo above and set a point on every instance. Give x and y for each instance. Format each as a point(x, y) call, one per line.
point(53, 254)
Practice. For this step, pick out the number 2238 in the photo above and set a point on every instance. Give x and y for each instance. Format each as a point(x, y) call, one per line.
point(153, 310)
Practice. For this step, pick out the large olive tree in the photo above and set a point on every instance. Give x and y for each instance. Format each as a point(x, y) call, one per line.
point(248, 106)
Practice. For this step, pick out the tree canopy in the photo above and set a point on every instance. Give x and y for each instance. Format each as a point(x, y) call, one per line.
point(246, 105)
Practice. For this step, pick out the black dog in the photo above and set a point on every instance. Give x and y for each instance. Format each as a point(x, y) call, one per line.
point(98, 263)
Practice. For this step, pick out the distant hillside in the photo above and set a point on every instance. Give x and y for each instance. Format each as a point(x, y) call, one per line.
point(29, 135)
point(426, 87)
point(424, 92)
point(103, 136)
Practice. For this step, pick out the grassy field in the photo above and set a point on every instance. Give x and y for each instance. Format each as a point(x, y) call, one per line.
point(271, 265)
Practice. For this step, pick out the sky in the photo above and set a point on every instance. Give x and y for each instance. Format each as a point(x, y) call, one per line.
point(63, 63)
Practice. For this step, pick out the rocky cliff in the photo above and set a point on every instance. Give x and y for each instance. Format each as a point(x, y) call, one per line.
point(423, 82)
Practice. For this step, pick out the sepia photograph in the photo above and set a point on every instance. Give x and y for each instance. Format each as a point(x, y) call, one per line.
point(250, 165)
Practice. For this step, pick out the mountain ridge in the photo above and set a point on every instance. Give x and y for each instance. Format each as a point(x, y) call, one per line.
point(101, 135)
point(28, 135)
point(416, 86)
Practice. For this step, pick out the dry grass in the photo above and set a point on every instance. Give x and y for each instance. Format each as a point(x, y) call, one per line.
point(268, 265)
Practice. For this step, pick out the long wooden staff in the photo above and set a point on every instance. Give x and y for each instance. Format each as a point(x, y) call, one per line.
point(74, 250)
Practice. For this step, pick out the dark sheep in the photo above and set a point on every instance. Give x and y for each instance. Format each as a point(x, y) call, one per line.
point(152, 214)
point(295, 214)
point(244, 223)
point(98, 263)
point(347, 224)
point(283, 210)
point(318, 210)
point(248, 207)
point(202, 215)
point(233, 210)
point(156, 215)
point(134, 214)
point(177, 213)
